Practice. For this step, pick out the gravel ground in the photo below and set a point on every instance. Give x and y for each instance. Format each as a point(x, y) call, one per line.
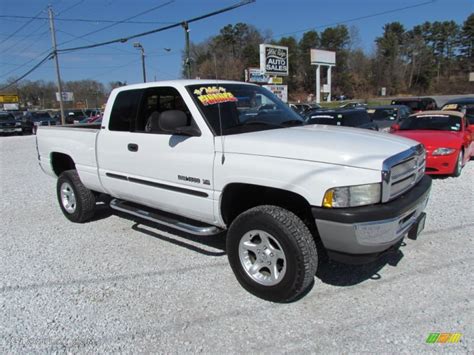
point(117, 285)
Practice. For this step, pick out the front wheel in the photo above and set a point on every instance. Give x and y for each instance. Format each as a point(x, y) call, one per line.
point(458, 167)
point(272, 253)
point(76, 201)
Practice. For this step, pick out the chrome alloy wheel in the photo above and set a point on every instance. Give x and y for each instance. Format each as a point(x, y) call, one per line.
point(68, 198)
point(262, 257)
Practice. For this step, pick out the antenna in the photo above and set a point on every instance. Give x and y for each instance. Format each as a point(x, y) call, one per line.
point(220, 117)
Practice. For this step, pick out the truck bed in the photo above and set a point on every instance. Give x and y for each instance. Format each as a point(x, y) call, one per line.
point(78, 141)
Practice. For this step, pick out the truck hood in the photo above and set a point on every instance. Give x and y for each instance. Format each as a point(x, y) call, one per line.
point(320, 143)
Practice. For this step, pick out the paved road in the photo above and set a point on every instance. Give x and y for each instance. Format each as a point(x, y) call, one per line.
point(117, 285)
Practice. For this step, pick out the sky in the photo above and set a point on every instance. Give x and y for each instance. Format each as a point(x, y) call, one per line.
point(23, 43)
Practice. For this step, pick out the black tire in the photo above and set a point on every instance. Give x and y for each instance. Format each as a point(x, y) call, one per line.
point(84, 207)
point(458, 167)
point(296, 241)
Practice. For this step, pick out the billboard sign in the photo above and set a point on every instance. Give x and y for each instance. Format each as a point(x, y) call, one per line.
point(66, 96)
point(274, 59)
point(321, 57)
point(279, 90)
point(254, 75)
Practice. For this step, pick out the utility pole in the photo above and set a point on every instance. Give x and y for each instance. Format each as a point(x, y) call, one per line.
point(187, 61)
point(55, 54)
point(139, 46)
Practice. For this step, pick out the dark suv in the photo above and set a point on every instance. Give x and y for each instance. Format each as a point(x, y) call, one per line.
point(386, 116)
point(417, 104)
point(356, 117)
point(32, 119)
point(8, 123)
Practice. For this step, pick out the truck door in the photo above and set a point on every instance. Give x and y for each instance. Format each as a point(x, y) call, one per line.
point(139, 162)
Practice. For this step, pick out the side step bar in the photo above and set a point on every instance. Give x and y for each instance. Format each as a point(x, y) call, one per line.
point(168, 221)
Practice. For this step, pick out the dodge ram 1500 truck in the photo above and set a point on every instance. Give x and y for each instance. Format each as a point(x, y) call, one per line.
point(205, 157)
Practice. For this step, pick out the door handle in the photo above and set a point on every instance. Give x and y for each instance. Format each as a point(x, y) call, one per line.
point(132, 147)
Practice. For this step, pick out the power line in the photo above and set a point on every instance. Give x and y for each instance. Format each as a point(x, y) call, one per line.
point(88, 40)
point(119, 22)
point(22, 27)
point(26, 63)
point(178, 24)
point(30, 34)
point(357, 18)
point(121, 40)
point(48, 57)
point(70, 7)
point(87, 20)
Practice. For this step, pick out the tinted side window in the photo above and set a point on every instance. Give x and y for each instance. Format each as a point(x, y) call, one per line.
point(125, 109)
point(356, 119)
point(154, 102)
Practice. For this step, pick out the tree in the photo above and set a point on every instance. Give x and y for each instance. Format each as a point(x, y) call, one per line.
point(306, 71)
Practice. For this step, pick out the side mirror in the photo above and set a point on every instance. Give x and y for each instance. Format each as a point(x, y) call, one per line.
point(175, 122)
point(394, 127)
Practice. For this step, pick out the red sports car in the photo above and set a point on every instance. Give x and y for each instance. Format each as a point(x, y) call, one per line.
point(446, 136)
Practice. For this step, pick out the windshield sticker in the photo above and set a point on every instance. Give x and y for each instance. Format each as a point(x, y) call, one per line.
point(213, 95)
point(450, 107)
point(421, 116)
point(322, 116)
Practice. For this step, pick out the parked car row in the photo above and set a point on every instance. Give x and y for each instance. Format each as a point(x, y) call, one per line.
point(27, 122)
point(447, 134)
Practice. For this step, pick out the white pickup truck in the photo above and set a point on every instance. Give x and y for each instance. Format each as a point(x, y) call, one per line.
point(205, 157)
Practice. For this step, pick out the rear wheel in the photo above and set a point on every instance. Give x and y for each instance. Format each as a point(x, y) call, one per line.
point(458, 167)
point(76, 201)
point(272, 253)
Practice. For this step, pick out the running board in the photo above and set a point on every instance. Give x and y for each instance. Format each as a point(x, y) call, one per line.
point(152, 215)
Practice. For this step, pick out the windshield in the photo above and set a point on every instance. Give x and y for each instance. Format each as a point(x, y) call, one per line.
point(467, 109)
point(383, 113)
point(6, 116)
point(40, 116)
point(350, 119)
point(242, 108)
point(432, 122)
point(414, 105)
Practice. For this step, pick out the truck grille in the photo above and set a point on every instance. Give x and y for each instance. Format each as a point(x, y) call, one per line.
point(402, 171)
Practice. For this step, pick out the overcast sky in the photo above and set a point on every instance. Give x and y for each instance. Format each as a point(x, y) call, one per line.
point(122, 61)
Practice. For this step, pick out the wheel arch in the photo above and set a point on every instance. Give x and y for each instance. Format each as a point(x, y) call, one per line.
point(61, 162)
point(239, 197)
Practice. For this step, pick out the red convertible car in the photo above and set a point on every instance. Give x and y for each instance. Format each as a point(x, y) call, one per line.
point(446, 136)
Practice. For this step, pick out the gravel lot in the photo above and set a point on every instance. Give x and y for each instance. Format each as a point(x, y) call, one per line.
point(117, 285)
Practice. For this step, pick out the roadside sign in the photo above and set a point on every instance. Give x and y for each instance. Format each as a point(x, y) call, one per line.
point(322, 57)
point(254, 75)
point(9, 99)
point(12, 107)
point(66, 96)
point(279, 90)
point(276, 80)
point(274, 60)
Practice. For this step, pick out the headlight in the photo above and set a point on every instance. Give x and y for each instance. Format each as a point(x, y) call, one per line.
point(352, 196)
point(444, 151)
point(17, 124)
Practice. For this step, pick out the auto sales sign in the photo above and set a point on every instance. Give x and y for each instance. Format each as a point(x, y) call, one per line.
point(274, 60)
